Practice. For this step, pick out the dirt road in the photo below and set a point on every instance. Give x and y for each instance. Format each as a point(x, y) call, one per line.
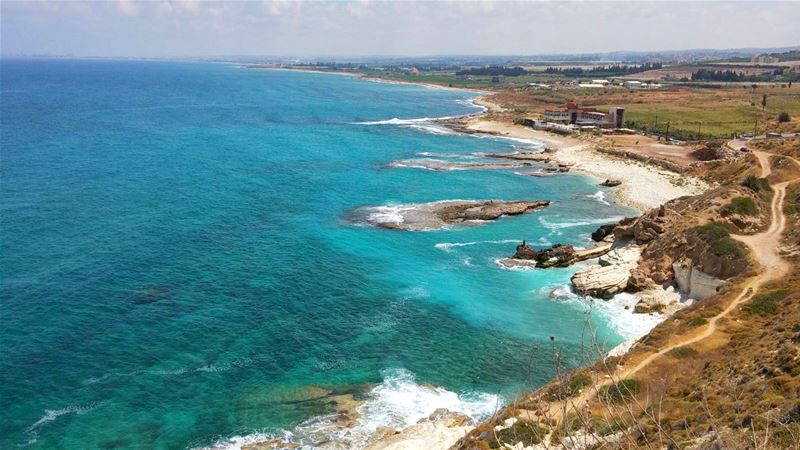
point(765, 249)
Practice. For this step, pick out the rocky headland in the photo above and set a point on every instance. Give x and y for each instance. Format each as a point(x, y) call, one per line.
point(438, 215)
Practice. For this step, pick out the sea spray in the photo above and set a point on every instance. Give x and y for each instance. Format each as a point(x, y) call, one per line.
point(396, 403)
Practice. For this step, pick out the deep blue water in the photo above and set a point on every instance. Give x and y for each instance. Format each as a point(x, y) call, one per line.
point(176, 266)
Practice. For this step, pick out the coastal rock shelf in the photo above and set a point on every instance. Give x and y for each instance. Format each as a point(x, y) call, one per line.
point(443, 166)
point(559, 255)
point(611, 276)
point(438, 215)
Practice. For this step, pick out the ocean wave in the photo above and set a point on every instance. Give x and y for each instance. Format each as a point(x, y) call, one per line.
point(398, 402)
point(433, 129)
point(617, 312)
point(599, 197)
point(471, 102)
point(446, 155)
point(526, 144)
point(398, 121)
point(447, 246)
point(554, 227)
point(53, 414)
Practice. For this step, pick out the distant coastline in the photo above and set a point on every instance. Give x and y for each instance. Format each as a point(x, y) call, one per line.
point(642, 188)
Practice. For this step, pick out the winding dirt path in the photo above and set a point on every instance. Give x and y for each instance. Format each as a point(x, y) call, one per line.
point(765, 247)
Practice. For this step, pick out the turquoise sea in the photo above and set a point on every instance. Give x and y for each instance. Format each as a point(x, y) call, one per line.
point(178, 268)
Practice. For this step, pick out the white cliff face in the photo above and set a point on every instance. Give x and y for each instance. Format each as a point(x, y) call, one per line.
point(692, 282)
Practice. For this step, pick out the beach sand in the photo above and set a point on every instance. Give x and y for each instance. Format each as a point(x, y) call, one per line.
point(643, 186)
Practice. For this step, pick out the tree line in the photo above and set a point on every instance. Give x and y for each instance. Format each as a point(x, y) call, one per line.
point(733, 76)
point(610, 70)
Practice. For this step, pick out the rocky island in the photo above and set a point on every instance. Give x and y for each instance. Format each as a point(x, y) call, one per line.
point(438, 215)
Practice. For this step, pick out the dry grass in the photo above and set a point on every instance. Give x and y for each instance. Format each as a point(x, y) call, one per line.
point(713, 112)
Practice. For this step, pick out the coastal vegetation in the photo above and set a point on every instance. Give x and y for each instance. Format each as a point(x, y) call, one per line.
point(717, 235)
point(741, 205)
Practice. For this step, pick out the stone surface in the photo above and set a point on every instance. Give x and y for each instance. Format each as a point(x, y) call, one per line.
point(437, 215)
point(621, 256)
point(603, 231)
point(694, 283)
point(656, 300)
point(611, 183)
point(610, 276)
point(601, 281)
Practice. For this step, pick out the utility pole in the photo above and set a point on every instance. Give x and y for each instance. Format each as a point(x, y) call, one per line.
point(667, 135)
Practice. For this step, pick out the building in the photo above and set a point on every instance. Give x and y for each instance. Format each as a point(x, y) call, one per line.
point(764, 59)
point(633, 84)
point(498, 78)
point(591, 85)
point(412, 71)
point(574, 114)
point(600, 82)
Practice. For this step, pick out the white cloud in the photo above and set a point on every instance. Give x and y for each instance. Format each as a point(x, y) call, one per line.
point(127, 7)
point(286, 27)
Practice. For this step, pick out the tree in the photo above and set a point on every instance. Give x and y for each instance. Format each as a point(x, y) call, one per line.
point(784, 117)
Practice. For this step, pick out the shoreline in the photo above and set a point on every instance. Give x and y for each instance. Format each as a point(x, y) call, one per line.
point(643, 187)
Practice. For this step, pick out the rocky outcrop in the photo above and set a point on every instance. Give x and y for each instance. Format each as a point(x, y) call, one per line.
point(437, 215)
point(488, 210)
point(610, 276)
point(559, 255)
point(658, 300)
point(436, 432)
point(603, 232)
point(522, 156)
point(611, 183)
point(441, 165)
point(694, 283)
point(601, 281)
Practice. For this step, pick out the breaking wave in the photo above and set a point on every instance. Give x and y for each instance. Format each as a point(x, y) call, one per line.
point(554, 227)
point(398, 402)
point(447, 246)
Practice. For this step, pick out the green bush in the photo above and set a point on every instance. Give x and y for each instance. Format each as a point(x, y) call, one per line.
point(784, 117)
point(682, 352)
point(741, 205)
point(560, 391)
point(696, 321)
point(756, 184)
point(719, 238)
point(620, 392)
point(523, 431)
point(765, 304)
point(607, 427)
point(712, 231)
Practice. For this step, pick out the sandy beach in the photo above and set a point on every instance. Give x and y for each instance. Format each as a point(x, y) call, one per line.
point(643, 186)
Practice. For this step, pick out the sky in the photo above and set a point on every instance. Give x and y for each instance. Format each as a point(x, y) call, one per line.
point(194, 28)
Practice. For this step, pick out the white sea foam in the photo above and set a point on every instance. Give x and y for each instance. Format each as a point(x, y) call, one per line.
point(433, 129)
point(471, 102)
point(617, 312)
point(446, 155)
point(398, 121)
point(53, 414)
point(396, 403)
point(447, 246)
point(554, 227)
point(599, 197)
point(387, 213)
